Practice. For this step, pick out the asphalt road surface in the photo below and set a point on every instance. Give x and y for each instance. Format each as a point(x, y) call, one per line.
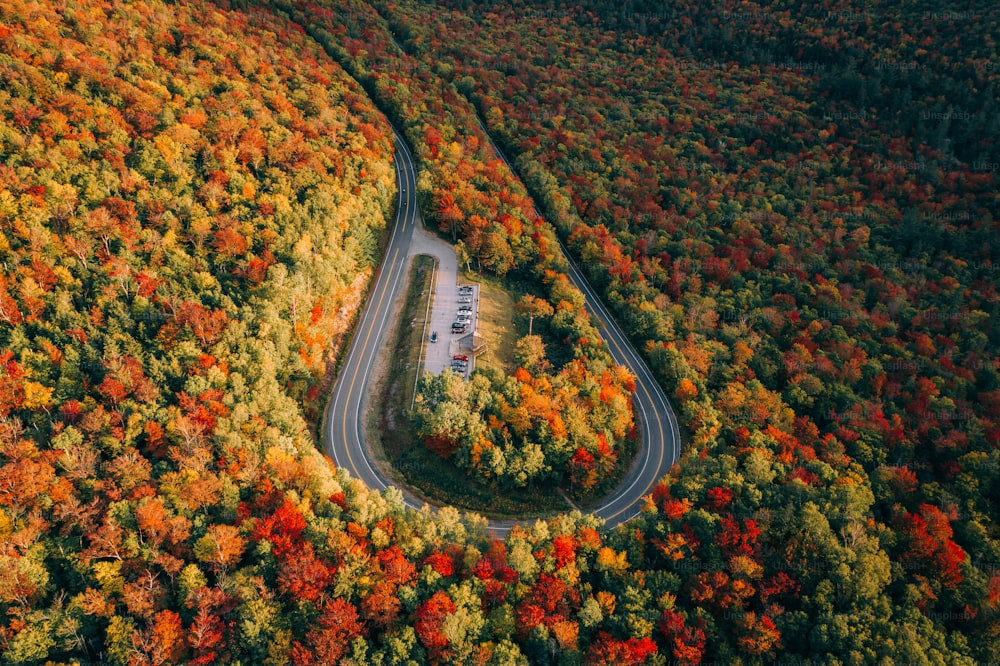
point(347, 408)
point(345, 415)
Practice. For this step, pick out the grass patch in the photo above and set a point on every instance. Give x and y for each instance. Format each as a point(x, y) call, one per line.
point(497, 326)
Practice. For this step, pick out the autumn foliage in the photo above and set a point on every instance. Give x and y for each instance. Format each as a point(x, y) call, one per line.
point(796, 226)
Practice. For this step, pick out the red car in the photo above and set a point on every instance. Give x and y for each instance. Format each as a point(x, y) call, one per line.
point(460, 357)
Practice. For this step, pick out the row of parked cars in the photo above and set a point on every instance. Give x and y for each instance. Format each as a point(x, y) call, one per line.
point(464, 317)
point(460, 362)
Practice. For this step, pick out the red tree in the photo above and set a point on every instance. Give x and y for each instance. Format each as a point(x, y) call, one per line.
point(283, 529)
point(930, 545)
point(686, 643)
point(610, 651)
point(337, 626)
point(302, 576)
point(430, 617)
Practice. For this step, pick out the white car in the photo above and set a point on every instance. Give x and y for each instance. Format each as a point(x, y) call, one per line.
point(465, 299)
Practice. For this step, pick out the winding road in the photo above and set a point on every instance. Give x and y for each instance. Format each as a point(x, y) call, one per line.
point(346, 411)
point(344, 424)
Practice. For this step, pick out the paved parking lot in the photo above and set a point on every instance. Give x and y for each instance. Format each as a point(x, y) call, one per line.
point(448, 299)
point(444, 311)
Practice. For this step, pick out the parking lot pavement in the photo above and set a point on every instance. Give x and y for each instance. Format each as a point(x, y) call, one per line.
point(447, 297)
point(444, 311)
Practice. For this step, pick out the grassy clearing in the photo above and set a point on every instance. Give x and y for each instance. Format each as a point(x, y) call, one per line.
point(498, 328)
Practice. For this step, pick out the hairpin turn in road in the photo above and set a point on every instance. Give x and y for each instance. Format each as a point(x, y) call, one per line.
point(343, 430)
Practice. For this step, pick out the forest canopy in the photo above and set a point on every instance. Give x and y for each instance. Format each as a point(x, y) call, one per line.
point(791, 211)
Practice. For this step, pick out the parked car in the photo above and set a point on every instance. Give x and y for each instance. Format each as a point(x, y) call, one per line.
point(465, 308)
point(465, 289)
point(465, 299)
point(460, 357)
point(459, 328)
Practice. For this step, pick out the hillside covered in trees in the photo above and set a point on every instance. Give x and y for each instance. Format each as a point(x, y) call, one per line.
point(794, 212)
point(192, 197)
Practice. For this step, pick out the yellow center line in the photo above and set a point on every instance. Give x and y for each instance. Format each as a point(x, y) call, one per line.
point(357, 369)
point(659, 423)
point(387, 281)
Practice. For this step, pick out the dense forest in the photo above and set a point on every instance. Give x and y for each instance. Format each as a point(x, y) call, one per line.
point(804, 241)
point(791, 210)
